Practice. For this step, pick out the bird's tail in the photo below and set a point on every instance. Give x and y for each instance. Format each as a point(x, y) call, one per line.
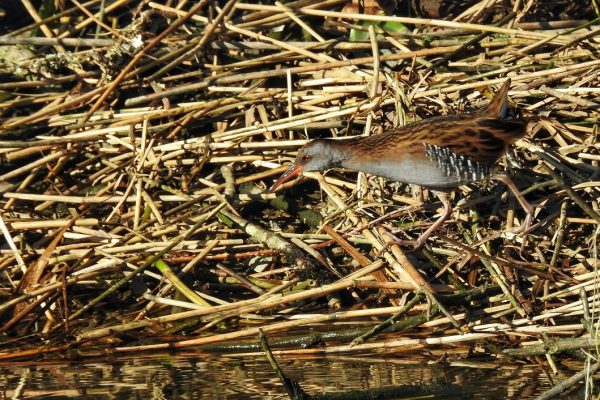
point(498, 107)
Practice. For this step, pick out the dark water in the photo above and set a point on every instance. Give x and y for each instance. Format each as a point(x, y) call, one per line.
point(198, 376)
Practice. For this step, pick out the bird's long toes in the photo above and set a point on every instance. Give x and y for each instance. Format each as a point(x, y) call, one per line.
point(414, 244)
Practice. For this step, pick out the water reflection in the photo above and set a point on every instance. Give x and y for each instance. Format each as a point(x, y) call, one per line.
point(201, 376)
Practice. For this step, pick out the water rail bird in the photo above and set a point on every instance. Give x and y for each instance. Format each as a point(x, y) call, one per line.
point(439, 153)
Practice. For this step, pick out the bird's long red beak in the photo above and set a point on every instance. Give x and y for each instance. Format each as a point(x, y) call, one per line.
point(287, 175)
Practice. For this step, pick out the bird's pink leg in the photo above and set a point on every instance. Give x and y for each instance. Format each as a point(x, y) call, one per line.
point(524, 203)
point(443, 196)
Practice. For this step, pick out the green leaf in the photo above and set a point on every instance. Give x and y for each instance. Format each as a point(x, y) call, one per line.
point(225, 220)
point(310, 218)
point(392, 26)
point(359, 35)
point(189, 294)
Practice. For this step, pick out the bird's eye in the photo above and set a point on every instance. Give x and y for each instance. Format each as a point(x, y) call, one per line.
point(307, 157)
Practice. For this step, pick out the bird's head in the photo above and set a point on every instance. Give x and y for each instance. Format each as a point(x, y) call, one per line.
point(316, 155)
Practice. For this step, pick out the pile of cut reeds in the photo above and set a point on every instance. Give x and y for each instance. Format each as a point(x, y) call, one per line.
point(138, 140)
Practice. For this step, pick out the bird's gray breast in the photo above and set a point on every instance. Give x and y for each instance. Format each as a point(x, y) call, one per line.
point(437, 167)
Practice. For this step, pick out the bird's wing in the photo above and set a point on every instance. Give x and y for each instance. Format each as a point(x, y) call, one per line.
point(498, 107)
point(481, 139)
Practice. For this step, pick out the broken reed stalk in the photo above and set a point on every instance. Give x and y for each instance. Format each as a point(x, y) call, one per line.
point(179, 132)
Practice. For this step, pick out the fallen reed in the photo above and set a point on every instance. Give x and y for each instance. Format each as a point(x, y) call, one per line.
point(155, 140)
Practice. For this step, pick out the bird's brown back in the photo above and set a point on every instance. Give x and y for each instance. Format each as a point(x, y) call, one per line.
point(481, 136)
